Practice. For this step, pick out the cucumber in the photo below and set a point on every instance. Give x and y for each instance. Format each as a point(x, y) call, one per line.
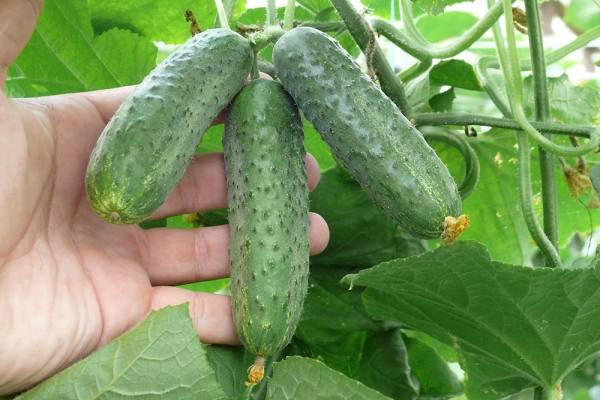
point(267, 194)
point(367, 132)
point(145, 148)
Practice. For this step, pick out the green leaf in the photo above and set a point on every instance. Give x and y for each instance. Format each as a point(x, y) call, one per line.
point(418, 90)
point(457, 73)
point(515, 327)
point(360, 233)
point(437, 381)
point(435, 7)
point(384, 366)
point(295, 377)
point(445, 26)
point(162, 357)
point(317, 147)
point(442, 102)
point(569, 104)
point(447, 353)
point(230, 364)
point(159, 21)
point(582, 14)
point(63, 56)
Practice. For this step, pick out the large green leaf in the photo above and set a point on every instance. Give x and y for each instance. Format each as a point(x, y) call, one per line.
point(63, 56)
point(162, 358)
point(515, 327)
point(297, 377)
point(161, 21)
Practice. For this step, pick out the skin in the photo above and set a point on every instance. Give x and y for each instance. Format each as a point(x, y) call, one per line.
point(70, 282)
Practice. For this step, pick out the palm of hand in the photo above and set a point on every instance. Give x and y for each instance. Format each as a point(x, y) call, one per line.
point(70, 281)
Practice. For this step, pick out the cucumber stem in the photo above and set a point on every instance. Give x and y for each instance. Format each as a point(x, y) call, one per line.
point(525, 191)
point(415, 44)
point(288, 19)
point(415, 70)
point(547, 394)
point(438, 134)
point(261, 39)
point(222, 14)
point(542, 114)
point(462, 119)
point(390, 83)
point(271, 13)
point(510, 77)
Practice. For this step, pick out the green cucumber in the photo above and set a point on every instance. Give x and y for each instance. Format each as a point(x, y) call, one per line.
point(267, 191)
point(145, 148)
point(367, 132)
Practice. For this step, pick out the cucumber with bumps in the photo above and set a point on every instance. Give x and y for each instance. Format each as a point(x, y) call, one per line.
point(145, 148)
point(367, 132)
point(268, 206)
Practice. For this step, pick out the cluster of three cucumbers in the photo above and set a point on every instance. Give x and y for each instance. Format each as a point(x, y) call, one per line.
point(147, 145)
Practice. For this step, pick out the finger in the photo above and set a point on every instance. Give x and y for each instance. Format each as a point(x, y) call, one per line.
point(204, 186)
point(178, 256)
point(318, 234)
point(17, 21)
point(313, 171)
point(107, 101)
point(211, 313)
point(175, 257)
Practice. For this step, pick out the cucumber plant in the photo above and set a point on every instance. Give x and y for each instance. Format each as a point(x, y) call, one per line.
point(508, 303)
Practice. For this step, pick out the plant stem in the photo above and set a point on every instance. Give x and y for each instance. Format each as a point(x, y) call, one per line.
point(222, 14)
point(576, 44)
point(512, 78)
point(490, 86)
point(262, 39)
point(414, 70)
point(408, 23)
point(271, 13)
point(463, 119)
point(390, 83)
point(533, 225)
point(542, 113)
point(443, 135)
point(417, 46)
point(399, 38)
point(549, 394)
point(288, 20)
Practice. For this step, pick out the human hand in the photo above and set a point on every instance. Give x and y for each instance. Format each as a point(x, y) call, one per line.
point(70, 282)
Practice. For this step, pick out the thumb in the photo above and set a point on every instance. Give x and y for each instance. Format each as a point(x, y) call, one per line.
point(17, 21)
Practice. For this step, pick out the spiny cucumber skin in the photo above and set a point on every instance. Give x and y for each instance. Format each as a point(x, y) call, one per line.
point(146, 147)
point(268, 215)
point(367, 132)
